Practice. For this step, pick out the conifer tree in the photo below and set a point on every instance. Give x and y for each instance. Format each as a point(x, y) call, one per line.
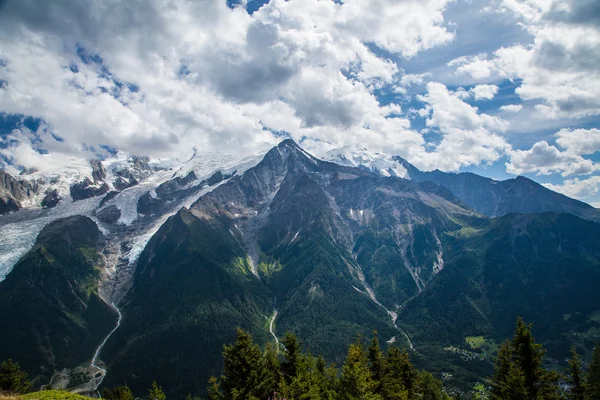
point(592, 386)
point(118, 393)
point(156, 392)
point(575, 378)
point(376, 362)
point(429, 388)
point(519, 373)
point(214, 389)
point(399, 377)
point(271, 369)
point(12, 378)
point(528, 355)
point(242, 369)
point(291, 354)
point(357, 381)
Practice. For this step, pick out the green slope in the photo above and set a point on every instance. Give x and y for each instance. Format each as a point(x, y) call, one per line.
point(50, 312)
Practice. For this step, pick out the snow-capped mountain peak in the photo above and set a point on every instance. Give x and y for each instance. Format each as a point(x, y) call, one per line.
point(355, 156)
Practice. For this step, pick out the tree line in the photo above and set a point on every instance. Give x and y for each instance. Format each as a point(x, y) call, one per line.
point(368, 373)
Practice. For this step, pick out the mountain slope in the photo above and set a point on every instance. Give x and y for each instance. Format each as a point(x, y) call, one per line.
point(290, 238)
point(496, 198)
point(542, 267)
point(484, 195)
point(50, 311)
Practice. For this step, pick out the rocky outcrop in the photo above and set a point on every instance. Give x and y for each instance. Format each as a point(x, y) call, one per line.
point(88, 188)
point(13, 192)
point(109, 215)
point(51, 199)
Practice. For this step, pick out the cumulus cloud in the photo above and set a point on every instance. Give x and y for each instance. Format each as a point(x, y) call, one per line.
point(468, 136)
point(561, 68)
point(483, 92)
point(159, 78)
point(512, 108)
point(579, 141)
point(577, 188)
point(545, 159)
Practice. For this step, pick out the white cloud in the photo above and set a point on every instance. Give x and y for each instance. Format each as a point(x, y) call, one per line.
point(579, 141)
point(483, 92)
point(577, 188)
point(561, 68)
point(512, 108)
point(210, 76)
point(468, 137)
point(545, 159)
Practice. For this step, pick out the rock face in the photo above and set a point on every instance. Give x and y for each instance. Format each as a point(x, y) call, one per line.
point(51, 199)
point(88, 188)
point(109, 215)
point(13, 192)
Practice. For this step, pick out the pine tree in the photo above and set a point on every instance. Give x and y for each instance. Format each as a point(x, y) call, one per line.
point(528, 355)
point(357, 381)
point(156, 393)
point(291, 354)
point(429, 388)
point(242, 368)
point(376, 362)
point(592, 385)
point(399, 376)
point(519, 373)
point(12, 378)
point(118, 393)
point(504, 368)
point(575, 378)
point(271, 369)
point(214, 389)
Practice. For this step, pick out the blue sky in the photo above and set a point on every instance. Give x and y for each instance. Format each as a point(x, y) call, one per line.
point(496, 87)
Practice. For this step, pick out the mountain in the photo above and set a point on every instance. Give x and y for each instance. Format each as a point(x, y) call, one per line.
point(295, 244)
point(361, 157)
point(280, 242)
point(485, 195)
point(51, 312)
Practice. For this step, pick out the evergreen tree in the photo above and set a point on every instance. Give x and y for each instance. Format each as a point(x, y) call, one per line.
point(592, 386)
point(291, 354)
point(357, 381)
point(243, 364)
point(376, 362)
point(156, 393)
point(399, 376)
point(214, 389)
point(12, 378)
point(429, 388)
point(118, 393)
point(271, 368)
point(528, 355)
point(519, 373)
point(575, 378)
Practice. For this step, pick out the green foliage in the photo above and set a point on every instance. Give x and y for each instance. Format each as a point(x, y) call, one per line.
point(357, 380)
point(575, 378)
point(156, 392)
point(118, 393)
point(592, 386)
point(51, 316)
point(12, 378)
point(305, 377)
point(519, 374)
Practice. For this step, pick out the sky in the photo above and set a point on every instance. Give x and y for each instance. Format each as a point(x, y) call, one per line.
point(496, 87)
